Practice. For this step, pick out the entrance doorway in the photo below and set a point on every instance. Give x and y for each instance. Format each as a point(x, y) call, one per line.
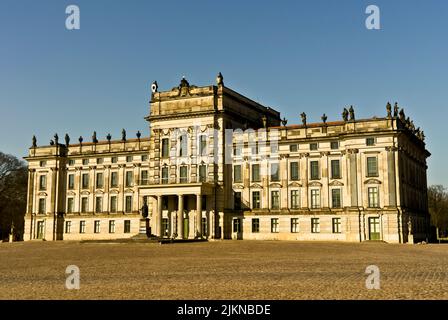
point(374, 228)
point(40, 229)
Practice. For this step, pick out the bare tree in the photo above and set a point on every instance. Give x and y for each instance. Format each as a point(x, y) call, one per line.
point(438, 206)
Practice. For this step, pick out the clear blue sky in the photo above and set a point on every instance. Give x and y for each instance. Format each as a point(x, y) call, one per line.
point(312, 56)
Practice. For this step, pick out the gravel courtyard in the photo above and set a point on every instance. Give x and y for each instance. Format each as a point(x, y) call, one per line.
point(222, 270)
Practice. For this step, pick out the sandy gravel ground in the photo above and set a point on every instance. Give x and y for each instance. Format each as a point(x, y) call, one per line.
point(223, 270)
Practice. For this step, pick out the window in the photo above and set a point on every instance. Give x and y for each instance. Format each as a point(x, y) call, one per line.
point(372, 167)
point(99, 160)
point(183, 174)
point(129, 158)
point(114, 179)
point(294, 225)
point(99, 180)
point(255, 225)
point(114, 159)
point(336, 198)
point(237, 174)
point(237, 201)
point(68, 226)
point(255, 172)
point(127, 226)
point(334, 145)
point(315, 227)
point(313, 146)
point(204, 226)
point(294, 199)
point(112, 226)
point(71, 162)
point(128, 205)
point(274, 149)
point(275, 172)
point(71, 181)
point(255, 199)
point(314, 170)
point(144, 158)
point(165, 226)
point(294, 170)
point(165, 148)
point(370, 141)
point(144, 177)
point(335, 169)
point(202, 173)
point(99, 204)
point(96, 228)
point(293, 148)
point(70, 205)
point(85, 162)
point(236, 225)
point(85, 180)
point(183, 144)
point(43, 163)
point(274, 225)
point(129, 179)
point(82, 226)
point(165, 175)
point(237, 150)
point(254, 149)
point(113, 204)
point(42, 206)
point(275, 200)
point(315, 198)
point(336, 225)
point(373, 197)
point(84, 204)
point(203, 145)
point(42, 182)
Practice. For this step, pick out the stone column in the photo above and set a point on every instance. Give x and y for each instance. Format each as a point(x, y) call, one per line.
point(159, 216)
point(180, 217)
point(199, 215)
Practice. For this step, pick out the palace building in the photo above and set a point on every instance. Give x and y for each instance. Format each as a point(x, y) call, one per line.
point(218, 165)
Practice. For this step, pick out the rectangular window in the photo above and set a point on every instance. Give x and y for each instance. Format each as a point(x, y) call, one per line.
point(68, 226)
point(275, 200)
point(314, 170)
point(84, 204)
point(254, 148)
point(165, 175)
point(42, 206)
point(85, 162)
point(144, 177)
point(128, 206)
point(255, 173)
point(274, 149)
point(236, 225)
point(203, 145)
point(99, 160)
point(183, 144)
point(237, 150)
point(99, 204)
point(313, 146)
point(204, 226)
point(202, 173)
point(294, 170)
point(237, 174)
point(82, 226)
point(255, 199)
point(96, 228)
point(113, 204)
point(336, 225)
point(127, 226)
point(165, 148)
point(294, 199)
point(114, 179)
point(114, 159)
point(71, 162)
point(334, 145)
point(293, 148)
point(71, 181)
point(144, 158)
point(335, 169)
point(373, 197)
point(315, 226)
point(70, 205)
point(99, 180)
point(336, 198)
point(183, 174)
point(85, 180)
point(315, 198)
point(294, 225)
point(42, 182)
point(112, 226)
point(129, 178)
point(237, 201)
point(275, 172)
point(372, 166)
point(370, 141)
point(274, 225)
point(255, 225)
point(129, 158)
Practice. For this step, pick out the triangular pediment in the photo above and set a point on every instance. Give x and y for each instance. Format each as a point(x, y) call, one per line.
point(372, 181)
point(256, 185)
point(315, 184)
point(295, 184)
point(336, 183)
point(275, 185)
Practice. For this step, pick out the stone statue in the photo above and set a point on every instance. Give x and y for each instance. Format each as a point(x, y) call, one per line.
point(108, 137)
point(67, 139)
point(56, 138)
point(34, 142)
point(345, 115)
point(324, 118)
point(138, 135)
point(51, 143)
point(264, 119)
point(220, 79)
point(352, 113)
point(402, 116)
point(184, 83)
point(145, 211)
point(303, 116)
point(284, 121)
point(80, 140)
point(395, 110)
point(389, 110)
point(94, 139)
point(123, 135)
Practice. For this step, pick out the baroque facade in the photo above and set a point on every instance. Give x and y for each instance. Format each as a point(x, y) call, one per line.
point(218, 165)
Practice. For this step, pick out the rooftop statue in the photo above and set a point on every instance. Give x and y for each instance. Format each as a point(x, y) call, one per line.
point(389, 110)
point(303, 116)
point(67, 139)
point(352, 113)
point(345, 115)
